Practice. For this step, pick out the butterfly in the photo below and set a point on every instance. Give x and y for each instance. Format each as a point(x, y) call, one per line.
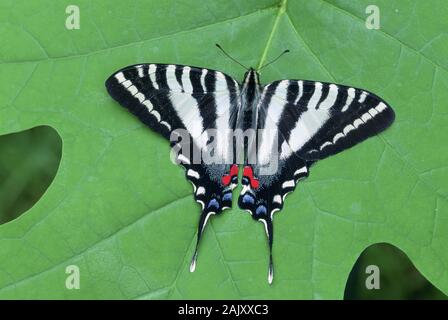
point(297, 123)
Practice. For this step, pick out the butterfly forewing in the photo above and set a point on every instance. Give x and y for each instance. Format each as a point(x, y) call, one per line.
point(321, 119)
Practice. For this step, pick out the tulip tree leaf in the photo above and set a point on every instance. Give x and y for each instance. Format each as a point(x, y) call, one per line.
point(120, 211)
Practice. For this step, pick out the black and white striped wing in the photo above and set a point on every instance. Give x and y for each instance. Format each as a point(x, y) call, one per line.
point(174, 99)
point(321, 119)
point(303, 122)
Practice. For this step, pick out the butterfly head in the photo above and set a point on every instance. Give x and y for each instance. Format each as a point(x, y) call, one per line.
point(251, 77)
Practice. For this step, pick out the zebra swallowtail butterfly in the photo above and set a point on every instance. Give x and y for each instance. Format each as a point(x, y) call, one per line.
point(310, 120)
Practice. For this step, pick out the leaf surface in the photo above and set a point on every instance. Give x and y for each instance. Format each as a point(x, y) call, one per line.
point(122, 212)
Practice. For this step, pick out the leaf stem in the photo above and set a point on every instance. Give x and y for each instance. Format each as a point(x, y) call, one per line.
point(281, 10)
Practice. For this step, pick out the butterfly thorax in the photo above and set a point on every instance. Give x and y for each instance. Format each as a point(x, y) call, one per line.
point(247, 115)
point(250, 95)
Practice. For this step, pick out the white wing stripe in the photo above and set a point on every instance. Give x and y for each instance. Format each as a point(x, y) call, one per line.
point(157, 115)
point(166, 124)
point(366, 117)
point(148, 105)
point(363, 97)
point(288, 184)
point(192, 173)
point(183, 159)
point(326, 144)
point(187, 110)
point(140, 71)
point(277, 199)
point(152, 75)
point(171, 78)
point(306, 127)
point(120, 77)
point(337, 137)
point(186, 82)
point(126, 84)
point(301, 170)
point(300, 93)
point(223, 130)
point(140, 96)
point(347, 129)
point(357, 123)
point(201, 190)
point(312, 104)
point(220, 82)
point(373, 112)
point(203, 74)
point(133, 90)
point(381, 107)
point(270, 130)
point(350, 95)
point(331, 97)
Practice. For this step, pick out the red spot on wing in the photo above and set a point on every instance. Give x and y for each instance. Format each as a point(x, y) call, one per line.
point(226, 179)
point(254, 183)
point(249, 173)
point(234, 170)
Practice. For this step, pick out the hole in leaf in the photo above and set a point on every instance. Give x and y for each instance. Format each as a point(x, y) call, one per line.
point(29, 161)
point(398, 278)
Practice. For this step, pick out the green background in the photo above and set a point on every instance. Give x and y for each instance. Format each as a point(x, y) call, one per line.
point(125, 215)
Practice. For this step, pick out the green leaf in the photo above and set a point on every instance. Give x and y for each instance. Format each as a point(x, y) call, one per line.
point(122, 212)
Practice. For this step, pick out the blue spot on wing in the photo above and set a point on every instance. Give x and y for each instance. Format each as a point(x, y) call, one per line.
point(213, 203)
point(227, 196)
point(248, 199)
point(261, 210)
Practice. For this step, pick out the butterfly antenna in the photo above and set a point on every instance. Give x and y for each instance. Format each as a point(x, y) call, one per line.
point(272, 61)
point(230, 57)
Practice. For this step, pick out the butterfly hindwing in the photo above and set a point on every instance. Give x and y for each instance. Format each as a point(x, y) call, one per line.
point(186, 105)
point(262, 195)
